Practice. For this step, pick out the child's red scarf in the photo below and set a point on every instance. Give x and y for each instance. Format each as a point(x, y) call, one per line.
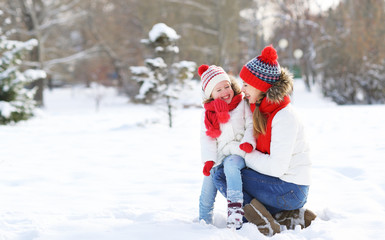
point(269, 109)
point(217, 112)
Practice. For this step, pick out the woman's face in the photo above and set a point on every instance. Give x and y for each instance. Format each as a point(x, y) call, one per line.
point(223, 91)
point(251, 93)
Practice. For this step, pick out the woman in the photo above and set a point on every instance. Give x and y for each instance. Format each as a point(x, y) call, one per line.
point(277, 178)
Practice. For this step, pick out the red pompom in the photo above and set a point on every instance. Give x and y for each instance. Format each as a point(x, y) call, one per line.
point(202, 69)
point(269, 55)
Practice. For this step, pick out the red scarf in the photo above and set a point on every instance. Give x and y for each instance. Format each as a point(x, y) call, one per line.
point(217, 112)
point(269, 109)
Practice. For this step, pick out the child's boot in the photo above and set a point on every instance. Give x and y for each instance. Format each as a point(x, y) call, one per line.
point(234, 215)
point(256, 213)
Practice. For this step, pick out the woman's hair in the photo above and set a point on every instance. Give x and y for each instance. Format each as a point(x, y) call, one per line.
point(259, 120)
point(234, 85)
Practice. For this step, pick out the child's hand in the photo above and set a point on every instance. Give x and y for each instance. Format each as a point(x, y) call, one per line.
point(247, 147)
point(207, 168)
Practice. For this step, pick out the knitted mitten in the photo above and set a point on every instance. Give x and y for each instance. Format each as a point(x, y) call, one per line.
point(207, 168)
point(247, 147)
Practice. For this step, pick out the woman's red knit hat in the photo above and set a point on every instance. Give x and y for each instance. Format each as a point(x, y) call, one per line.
point(263, 71)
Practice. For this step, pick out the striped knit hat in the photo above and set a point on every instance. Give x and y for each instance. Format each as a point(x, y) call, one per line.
point(211, 76)
point(263, 71)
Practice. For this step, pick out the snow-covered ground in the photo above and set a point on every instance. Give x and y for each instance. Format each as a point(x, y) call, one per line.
point(121, 173)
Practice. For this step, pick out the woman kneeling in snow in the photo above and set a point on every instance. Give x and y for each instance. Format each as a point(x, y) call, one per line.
point(277, 175)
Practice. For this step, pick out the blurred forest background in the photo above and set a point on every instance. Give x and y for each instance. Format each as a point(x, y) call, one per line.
point(339, 49)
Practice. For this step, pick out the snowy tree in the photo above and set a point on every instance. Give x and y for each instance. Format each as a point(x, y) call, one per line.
point(162, 78)
point(16, 102)
point(353, 69)
point(152, 79)
point(296, 32)
point(54, 25)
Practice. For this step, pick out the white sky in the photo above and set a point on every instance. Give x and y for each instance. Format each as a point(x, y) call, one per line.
point(325, 4)
point(268, 22)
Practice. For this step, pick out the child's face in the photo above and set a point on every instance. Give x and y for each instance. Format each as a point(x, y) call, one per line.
point(251, 93)
point(223, 91)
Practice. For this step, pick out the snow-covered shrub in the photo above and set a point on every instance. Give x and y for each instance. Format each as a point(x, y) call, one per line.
point(162, 78)
point(16, 101)
point(152, 79)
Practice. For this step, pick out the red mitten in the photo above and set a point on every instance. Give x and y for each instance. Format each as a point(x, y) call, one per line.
point(247, 147)
point(207, 168)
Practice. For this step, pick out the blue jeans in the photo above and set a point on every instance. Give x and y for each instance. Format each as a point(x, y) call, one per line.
point(275, 194)
point(231, 169)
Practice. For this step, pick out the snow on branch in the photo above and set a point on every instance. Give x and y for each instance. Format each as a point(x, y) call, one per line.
point(156, 62)
point(161, 29)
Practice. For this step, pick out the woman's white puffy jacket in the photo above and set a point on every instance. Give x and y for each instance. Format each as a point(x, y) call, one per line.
point(289, 157)
point(238, 130)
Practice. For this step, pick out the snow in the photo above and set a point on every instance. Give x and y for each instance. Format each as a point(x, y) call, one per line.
point(34, 74)
point(174, 49)
point(161, 29)
point(137, 70)
point(191, 66)
point(16, 46)
point(146, 86)
point(6, 109)
point(156, 62)
point(120, 173)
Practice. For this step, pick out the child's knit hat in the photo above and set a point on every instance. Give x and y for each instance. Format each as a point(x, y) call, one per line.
point(211, 76)
point(263, 71)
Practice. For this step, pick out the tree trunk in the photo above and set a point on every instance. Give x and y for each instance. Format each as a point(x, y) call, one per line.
point(30, 19)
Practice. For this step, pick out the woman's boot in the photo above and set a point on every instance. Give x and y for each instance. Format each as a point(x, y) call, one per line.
point(291, 218)
point(256, 213)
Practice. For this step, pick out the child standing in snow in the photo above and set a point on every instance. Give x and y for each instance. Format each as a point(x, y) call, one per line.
point(226, 135)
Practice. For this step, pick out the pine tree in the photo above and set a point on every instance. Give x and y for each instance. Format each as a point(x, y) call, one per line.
point(16, 101)
point(162, 78)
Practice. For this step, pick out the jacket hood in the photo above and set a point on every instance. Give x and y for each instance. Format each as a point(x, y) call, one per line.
point(282, 88)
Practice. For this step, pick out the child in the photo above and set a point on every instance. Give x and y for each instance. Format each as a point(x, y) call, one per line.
point(226, 134)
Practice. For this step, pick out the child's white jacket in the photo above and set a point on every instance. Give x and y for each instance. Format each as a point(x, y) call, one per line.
point(238, 130)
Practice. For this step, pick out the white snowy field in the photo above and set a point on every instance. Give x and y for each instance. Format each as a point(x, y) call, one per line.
point(121, 173)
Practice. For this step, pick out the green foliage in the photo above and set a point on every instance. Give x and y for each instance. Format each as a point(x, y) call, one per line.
point(16, 101)
point(162, 77)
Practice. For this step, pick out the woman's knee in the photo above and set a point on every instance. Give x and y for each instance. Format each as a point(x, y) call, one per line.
point(293, 199)
point(249, 175)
